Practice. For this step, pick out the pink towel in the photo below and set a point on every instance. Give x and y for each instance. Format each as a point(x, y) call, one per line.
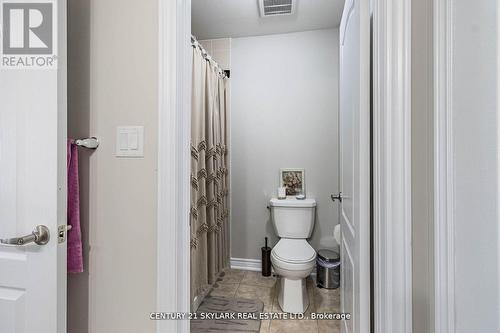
point(75, 258)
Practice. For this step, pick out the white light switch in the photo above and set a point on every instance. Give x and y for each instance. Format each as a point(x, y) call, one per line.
point(122, 141)
point(133, 141)
point(130, 141)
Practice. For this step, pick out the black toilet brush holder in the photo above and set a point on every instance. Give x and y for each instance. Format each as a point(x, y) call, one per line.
point(266, 260)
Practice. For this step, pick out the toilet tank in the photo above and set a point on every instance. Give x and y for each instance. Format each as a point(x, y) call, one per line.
point(293, 218)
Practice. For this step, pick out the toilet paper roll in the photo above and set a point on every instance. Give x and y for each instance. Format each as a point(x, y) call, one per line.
point(327, 242)
point(336, 234)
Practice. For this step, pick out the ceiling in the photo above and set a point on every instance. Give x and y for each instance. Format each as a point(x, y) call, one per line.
point(241, 18)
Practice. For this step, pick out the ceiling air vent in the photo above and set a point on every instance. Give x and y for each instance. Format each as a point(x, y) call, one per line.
point(276, 7)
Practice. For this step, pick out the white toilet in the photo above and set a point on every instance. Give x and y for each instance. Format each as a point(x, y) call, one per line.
point(293, 258)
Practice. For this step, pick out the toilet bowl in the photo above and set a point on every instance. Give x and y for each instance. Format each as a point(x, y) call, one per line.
point(292, 257)
point(293, 260)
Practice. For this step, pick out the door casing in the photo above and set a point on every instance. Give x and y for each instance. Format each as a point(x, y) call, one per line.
point(391, 144)
point(391, 125)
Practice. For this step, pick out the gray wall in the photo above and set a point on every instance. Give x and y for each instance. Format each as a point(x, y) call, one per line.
point(284, 111)
point(113, 75)
point(475, 162)
point(422, 166)
point(79, 126)
point(475, 117)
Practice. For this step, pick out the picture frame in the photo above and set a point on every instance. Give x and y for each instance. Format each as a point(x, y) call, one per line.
point(293, 179)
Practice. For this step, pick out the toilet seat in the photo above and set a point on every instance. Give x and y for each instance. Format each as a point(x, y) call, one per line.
point(293, 254)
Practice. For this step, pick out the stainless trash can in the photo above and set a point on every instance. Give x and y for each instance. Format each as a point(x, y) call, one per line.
point(328, 269)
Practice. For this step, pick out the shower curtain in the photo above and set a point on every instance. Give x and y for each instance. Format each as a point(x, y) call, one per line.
point(209, 175)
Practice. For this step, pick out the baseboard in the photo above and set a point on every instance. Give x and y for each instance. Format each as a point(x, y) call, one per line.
point(246, 264)
point(254, 265)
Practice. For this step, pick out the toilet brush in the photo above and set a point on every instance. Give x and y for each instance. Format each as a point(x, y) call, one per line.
point(266, 260)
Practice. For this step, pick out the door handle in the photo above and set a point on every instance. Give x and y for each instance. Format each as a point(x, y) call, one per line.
point(336, 197)
point(40, 236)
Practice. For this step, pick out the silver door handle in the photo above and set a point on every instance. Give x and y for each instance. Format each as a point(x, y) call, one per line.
point(336, 197)
point(40, 236)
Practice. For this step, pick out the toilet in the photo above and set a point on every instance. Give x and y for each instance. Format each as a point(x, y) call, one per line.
point(293, 258)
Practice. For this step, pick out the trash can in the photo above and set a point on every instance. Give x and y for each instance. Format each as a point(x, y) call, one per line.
point(328, 269)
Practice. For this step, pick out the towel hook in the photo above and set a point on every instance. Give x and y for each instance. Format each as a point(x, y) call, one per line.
point(91, 143)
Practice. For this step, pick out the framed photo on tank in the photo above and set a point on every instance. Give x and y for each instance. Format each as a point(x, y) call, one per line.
point(293, 179)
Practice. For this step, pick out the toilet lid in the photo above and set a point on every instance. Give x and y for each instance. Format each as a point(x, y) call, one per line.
point(293, 250)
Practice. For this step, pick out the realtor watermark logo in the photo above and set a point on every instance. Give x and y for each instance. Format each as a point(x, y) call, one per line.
point(28, 34)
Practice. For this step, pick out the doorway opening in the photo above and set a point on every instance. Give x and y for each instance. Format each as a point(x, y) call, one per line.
point(280, 149)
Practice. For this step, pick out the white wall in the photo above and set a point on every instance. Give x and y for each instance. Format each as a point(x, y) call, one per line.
point(475, 117)
point(113, 75)
point(284, 111)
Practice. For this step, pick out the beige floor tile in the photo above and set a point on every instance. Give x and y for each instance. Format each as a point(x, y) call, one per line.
point(256, 279)
point(310, 281)
point(275, 291)
point(327, 300)
point(312, 305)
point(276, 307)
point(311, 284)
point(293, 326)
point(224, 289)
point(265, 294)
point(329, 326)
point(264, 326)
point(231, 276)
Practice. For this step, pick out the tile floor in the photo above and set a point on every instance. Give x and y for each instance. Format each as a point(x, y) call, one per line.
point(252, 285)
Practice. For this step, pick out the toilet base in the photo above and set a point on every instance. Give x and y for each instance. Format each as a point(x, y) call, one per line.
point(292, 296)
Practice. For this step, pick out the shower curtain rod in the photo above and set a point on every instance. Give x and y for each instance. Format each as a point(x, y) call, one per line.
point(194, 43)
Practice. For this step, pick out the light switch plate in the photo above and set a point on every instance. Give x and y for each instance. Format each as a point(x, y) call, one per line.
point(130, 141)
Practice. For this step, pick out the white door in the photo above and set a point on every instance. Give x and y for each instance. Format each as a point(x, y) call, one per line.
point(355, 164)
point(32, 167)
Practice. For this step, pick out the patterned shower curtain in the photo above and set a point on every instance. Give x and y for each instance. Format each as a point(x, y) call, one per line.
point(209, 175)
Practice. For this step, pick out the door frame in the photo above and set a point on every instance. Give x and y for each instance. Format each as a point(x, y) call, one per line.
point(391, 133)
point(444, 253)
point(174, 158)
point(445, 165)
point(391, 130)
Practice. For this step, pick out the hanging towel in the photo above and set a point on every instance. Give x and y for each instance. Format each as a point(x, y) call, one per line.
point(75, 258)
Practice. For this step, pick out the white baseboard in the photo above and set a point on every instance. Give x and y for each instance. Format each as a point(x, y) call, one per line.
point(246, 264)
point(254, 265)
